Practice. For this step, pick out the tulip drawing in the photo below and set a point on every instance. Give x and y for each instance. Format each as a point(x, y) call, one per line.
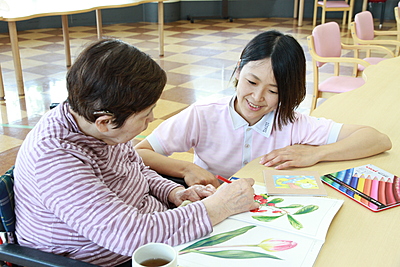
point(212, 242)
point(273, 245)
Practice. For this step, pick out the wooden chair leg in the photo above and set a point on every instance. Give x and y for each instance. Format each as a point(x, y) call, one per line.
point(344, 21)
point(99, 23)
point(315, 85)
point(314, 103)
point(67, 47)
point(350, 19)
point(315, 14)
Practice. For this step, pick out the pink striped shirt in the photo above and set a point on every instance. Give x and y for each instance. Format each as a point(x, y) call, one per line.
point(79, 197)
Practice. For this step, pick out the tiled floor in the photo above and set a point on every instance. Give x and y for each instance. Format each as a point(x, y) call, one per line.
point(199, 60)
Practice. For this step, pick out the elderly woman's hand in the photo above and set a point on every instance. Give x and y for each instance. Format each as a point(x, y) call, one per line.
point(230, 199)
point(193, 193)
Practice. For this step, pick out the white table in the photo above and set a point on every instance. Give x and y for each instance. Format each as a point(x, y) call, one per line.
point(18, 10)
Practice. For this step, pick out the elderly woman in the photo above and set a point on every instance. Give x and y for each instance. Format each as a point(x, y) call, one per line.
point(82, 191)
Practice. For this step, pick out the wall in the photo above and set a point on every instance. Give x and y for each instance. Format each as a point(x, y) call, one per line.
point(180, 10)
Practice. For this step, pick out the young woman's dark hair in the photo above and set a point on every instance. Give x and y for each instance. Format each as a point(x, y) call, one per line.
point(289, 67)
point(111, 76)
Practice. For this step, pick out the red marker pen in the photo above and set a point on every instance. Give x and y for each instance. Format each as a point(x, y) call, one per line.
point(223, 179)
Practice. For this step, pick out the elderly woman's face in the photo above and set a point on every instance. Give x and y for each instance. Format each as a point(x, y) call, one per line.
point(133, 126)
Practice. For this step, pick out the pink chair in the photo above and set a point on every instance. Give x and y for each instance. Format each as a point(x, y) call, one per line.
point(343, 5)
point(363, 33)
point(325, 46)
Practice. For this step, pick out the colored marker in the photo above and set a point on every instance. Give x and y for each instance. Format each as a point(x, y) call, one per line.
point(353, 183)
point(396, 188)
point(340, 177)
point(223, 179)
point(374, 192)
point(381, 191)
point(328, 181)
point(360, 186)
point(390, 200)
point(367, 189)
point(331, 182)
point(356, 192)
point(347, 176)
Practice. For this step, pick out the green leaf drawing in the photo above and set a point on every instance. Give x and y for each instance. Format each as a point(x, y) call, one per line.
point(219, 238)
point(295, 223)
point(276, 200)
point(306, 209)
point(266, 218)
point(291, 206)
point(237, 254)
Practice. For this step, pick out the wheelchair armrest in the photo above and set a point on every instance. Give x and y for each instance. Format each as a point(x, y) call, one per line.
point(31, 257)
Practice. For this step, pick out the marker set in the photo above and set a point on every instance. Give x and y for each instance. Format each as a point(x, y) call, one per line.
point(368, 185)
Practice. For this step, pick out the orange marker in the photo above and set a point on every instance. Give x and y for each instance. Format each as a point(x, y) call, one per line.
point(367, 190)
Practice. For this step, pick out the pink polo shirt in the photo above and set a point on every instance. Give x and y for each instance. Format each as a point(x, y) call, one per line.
point(223, 141)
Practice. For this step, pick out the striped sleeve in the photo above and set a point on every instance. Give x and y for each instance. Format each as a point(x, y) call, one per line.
point(72, 188)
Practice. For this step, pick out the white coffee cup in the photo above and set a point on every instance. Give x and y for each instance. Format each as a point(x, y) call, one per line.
point(152, 251)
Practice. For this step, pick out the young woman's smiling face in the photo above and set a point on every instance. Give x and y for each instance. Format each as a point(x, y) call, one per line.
point(257, 91)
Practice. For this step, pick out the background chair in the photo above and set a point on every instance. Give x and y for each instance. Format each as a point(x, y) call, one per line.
point(383, 6)
point(325, 46)
point(10, 251)
point(344, 5)
point(362, 32)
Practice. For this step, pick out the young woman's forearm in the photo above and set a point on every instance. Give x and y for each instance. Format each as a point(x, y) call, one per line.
point(362, 142)
point(162, 164)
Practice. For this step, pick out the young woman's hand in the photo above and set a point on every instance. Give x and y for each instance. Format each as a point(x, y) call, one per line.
point(194, 174)
point(292, 156)
point(354, 142)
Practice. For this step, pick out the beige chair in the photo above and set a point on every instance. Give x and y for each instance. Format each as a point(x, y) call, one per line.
point(363, 33)
point(325, 46)
point(326, 5)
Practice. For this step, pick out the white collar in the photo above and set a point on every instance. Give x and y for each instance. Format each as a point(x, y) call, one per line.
point(263, 126)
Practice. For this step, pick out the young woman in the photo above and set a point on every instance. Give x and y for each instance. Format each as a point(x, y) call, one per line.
point(259, 120)
point(82, 191)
